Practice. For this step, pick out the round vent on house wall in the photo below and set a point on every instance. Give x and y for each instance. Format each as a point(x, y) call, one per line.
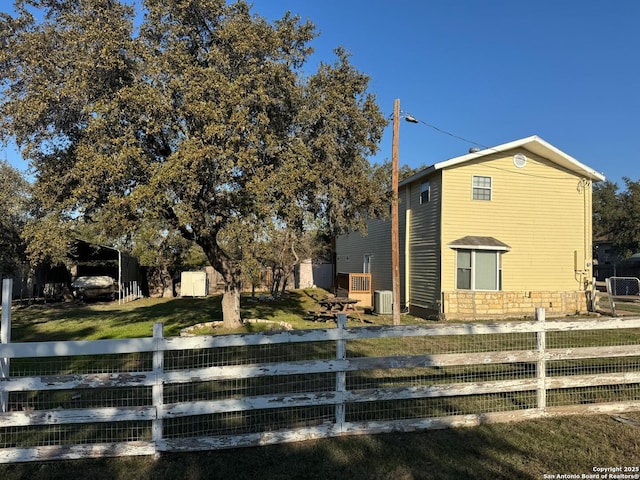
point(519, 160)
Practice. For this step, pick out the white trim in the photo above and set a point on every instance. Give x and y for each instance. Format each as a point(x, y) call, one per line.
point(479, 188)
point(479, 247)
point(533, 144)
point(472, 268)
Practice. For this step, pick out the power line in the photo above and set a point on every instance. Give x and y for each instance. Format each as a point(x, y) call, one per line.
point(412, 119)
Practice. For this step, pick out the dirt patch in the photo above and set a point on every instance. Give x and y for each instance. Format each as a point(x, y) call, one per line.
point(194, 329)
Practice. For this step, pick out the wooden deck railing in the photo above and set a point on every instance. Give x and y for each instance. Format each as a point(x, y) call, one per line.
point(356, 285)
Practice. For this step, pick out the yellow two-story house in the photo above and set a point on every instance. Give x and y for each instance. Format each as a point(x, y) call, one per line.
point(494, 233)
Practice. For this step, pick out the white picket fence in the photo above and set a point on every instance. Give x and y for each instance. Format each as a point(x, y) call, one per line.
point(129, 291)
point(143, 396)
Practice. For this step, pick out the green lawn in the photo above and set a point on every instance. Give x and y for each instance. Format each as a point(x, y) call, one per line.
point(518, 451)
point(526, 450)
point(135, 319)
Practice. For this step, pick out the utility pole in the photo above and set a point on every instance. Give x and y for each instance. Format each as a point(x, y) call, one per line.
point(395, 253)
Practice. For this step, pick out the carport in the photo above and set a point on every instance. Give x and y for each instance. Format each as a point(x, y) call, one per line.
point(94, 260)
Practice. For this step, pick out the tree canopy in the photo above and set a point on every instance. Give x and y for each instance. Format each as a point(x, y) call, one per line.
point(200, 118)
point(616, 215)
point(14, 196)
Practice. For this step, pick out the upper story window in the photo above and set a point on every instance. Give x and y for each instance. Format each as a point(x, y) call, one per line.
point(481, 188)
point(425, 192)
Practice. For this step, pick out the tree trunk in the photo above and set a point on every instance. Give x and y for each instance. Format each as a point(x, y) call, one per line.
point(231, 274)
point(231, 305)
point(166, 280)
point(232, 284)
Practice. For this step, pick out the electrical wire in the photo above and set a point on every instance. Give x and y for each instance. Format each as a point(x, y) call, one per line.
point(412, 119)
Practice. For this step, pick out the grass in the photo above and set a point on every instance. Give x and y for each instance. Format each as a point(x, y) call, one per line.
point(527, 451)
point(36, 323)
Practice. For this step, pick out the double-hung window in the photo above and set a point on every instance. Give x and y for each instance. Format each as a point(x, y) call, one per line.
point(478, 270)
point(481, 188)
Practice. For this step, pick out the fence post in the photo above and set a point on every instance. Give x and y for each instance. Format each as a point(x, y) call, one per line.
point(157, 389)
point(5, 337)
point(341, 376)
point(541, 364)
point(610, 293)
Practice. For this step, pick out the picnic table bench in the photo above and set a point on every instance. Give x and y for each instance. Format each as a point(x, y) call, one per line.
point(332, 306)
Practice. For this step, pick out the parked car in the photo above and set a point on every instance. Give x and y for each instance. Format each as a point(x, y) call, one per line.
point(95, 287)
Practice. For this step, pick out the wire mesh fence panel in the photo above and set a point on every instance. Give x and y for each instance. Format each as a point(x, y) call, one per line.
point(35, 400)
point(260, 385)
point(600, 394)
point(593, 338)
point(394, 378)
point(396, 410)
point(623, 295)
point(248, 387)
point(623, 286)
point(81, 364)
point(247, 421)
point(593, 366)
point(247, 355)
point(435, 344)
point(74, 434)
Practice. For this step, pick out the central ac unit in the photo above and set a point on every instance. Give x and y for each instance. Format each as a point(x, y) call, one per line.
point(383, 302)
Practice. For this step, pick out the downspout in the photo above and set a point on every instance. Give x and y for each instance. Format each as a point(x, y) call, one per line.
point(586, 263)
point(588, 253)
point(119, 276)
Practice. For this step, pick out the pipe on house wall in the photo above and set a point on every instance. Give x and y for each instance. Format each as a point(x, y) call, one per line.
point(407, 257)
point(584, 271)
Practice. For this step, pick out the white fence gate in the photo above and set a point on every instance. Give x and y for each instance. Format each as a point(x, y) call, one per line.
point(622, 290)
point(77, 399)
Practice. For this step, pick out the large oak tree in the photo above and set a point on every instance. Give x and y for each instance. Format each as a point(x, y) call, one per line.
point(193, 113)
point(14, 197)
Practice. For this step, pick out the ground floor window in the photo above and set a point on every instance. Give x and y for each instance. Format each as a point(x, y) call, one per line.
point(478, 270)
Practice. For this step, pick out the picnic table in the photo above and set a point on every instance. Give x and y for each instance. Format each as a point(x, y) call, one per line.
point(332, 306)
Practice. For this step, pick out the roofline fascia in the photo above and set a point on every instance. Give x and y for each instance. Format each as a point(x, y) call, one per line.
point(479, 247)
point(522, 143)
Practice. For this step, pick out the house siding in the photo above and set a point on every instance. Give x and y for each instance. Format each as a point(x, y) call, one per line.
point(352, 247)
point(540, 211)
point(376, 242)
point(424, 239)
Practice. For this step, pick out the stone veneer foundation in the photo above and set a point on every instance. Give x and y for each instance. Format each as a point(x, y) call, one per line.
point(470, 305)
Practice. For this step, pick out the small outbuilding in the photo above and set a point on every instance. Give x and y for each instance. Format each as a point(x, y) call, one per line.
point(193, 284)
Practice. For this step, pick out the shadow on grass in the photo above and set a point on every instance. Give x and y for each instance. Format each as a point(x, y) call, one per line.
point(176, 313)
point(102, 321)
point(526, 450)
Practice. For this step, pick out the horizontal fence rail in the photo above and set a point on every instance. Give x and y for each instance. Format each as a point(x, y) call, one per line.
point(143, 396)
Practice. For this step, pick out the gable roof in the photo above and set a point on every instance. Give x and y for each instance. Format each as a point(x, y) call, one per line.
point(534, 144)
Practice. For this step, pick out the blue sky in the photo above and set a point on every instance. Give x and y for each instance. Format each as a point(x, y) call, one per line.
point(490, 71)
point(493, 71)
